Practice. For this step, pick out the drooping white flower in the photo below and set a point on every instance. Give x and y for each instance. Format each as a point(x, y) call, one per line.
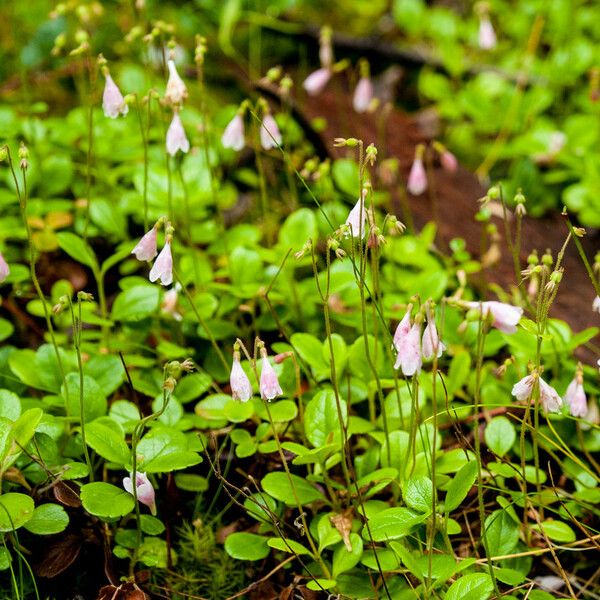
point(113, 102)
point(4, 270)
point(487, 35)
point(448, 161)
point(269, 383)
point(596, 304)
point(145, 249)
point(233, 136)
point(169, 302)
point(575, 397)
point(357, 217)
point(315, 83)
point(417, 178)
point(403, 327)
point(162, 268)
point(505, 316)
point(144, 490)
point(176, 91)
point(176, 138)
point(363, 95)
point(270, 136)
point(431, 343)
point(241, 388)
point(549, 398)
point(407, 341)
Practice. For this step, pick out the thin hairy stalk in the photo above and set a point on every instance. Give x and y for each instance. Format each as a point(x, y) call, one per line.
point(481, 335)
point(512, 112)
point(22, 196)
point(90, 148)
point(582, 255)
point(144, 135)
point(135, 438)
point(77, 344)
point(202, 322)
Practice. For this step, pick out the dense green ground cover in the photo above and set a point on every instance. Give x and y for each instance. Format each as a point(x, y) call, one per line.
point(382, 433)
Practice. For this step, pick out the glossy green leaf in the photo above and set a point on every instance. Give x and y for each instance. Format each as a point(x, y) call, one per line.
point(500, 435)
point(459, 487)
point(105, 500)
point(474, 586)
point(298, 490)
point(15, 510)
point(48, 519)
point(246, 546)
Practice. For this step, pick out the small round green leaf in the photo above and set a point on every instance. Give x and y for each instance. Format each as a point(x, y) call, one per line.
point(15, 510)
point(299, 490)
point(418, 493)
point(48, 519)
point(246, 546)
point(557, 531)
point(106, 500)
point(500, 435)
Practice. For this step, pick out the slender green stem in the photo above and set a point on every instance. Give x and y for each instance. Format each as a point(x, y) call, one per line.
point(22, 196)
point(477, 439)
point(77, 344)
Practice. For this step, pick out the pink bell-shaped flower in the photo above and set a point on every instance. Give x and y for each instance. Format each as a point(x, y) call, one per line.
point(448, 161)
point(241, 388)
point(575, 397)
point(162, 268)
point(176, 91)
point(168, 305)
point(417, 178)
point(233, 136)
point(270, 136)
point(269, 383)
point(316, 82)
point(431, 345)
point(505, 316)
point(176, 138)
point(363, 95)
point(487, 35)
point(145, 249)
point(4, 270)
point(113, 102)
point(144, 490)
point(403, 328)
point(407, 341)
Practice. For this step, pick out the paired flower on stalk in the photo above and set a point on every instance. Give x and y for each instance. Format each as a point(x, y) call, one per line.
point(241, 388)
point(175, 93)
point(549, 398)
point(146, 250)
point(417, 177)
point(234, 134)
point(412, 349)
